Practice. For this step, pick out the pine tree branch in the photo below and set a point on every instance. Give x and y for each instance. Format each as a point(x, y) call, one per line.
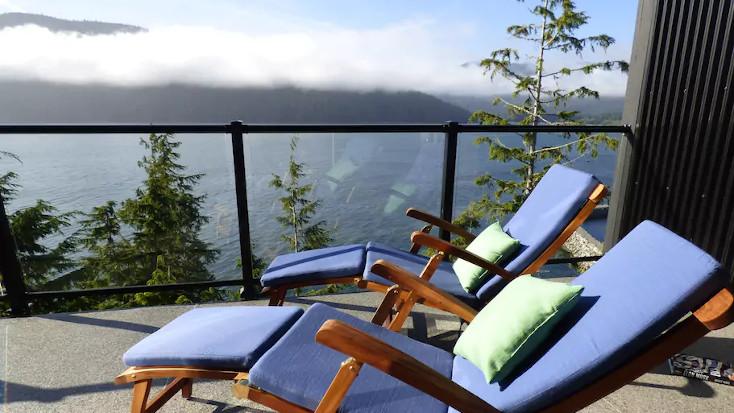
point(499, 142)
point(555, 148)
point(576, 158)
point(525, 110)
point(564, 72)
point(605, 65)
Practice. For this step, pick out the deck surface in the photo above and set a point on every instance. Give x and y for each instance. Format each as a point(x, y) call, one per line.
point(66, 362)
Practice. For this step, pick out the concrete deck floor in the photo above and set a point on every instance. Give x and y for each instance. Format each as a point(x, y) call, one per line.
point(66, 362)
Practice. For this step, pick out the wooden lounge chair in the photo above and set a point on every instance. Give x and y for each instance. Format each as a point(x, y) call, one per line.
point(560, 203)
point(633, 314)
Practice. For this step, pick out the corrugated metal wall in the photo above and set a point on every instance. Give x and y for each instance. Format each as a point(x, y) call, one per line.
point(681, 160)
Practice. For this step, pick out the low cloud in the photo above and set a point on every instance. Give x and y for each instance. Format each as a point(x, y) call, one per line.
point(411, 56)
point(7, 5)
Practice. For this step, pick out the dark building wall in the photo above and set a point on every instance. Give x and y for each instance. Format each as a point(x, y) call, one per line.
point(678, 169)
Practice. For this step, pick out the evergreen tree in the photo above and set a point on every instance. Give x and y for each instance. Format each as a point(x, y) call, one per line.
point(8, 186)
point(166, 219)
point(32, 227)
point(104, 265)
point(536, 102)
point(298, 209)
point(164, 247)
point(100, 235)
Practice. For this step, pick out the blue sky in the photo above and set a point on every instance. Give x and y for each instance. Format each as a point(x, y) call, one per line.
point(316, 43)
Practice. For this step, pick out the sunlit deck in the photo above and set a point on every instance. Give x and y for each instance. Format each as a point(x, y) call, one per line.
point(66, 362)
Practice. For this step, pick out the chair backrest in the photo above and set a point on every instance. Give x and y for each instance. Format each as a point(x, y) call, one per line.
point(640, 288)
point(550, 208)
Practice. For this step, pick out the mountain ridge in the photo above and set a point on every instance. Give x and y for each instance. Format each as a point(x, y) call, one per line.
point(87, 27)
point(42, 102)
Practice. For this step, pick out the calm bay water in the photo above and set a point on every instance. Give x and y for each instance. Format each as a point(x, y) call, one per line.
point(365, 181)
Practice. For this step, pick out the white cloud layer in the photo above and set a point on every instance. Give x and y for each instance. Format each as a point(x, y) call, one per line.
point(411, 56)
point(7, 5)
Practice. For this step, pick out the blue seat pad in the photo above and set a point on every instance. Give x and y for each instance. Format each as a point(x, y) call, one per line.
point(320, 264)
point(443, 278)
point(552, 205)
point(226, 338)
point(300, 370)
point(640, 288)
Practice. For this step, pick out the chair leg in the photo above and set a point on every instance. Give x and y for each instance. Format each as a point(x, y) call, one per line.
point(165, 395)
point(277, 296)
point(141, 390)
point(187, 389)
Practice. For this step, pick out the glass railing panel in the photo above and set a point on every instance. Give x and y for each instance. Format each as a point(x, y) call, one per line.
point(602, 166)
point(364, 183)
point(472, 161)
point(96, 211)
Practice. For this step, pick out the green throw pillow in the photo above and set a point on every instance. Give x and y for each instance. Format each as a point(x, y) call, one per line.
point(514, 323)
point(494, 245)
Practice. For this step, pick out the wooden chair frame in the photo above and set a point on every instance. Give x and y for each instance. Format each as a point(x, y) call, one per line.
point(361, 348)
point(422, 239)
point(183, 377)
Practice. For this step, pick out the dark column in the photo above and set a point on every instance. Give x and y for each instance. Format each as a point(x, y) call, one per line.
point(623, 179)
point(449, 175)
point(243, 218)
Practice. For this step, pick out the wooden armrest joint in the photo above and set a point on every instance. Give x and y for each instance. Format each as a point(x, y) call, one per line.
point(438, 244)
point(438, 298)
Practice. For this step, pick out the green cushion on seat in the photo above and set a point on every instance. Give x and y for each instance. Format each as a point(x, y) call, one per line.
point(514, 323)
point(492, 244)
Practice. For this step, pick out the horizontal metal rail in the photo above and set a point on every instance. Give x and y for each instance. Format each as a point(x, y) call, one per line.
point(305, 128)
point(132, 289)
point(110, 129)
point(197, 286)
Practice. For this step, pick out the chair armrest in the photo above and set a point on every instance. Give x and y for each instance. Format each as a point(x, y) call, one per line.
point(441, 223)
point(366, 349)
point(429, 241)
point(436, 296)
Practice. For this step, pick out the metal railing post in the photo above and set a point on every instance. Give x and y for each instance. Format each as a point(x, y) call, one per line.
point(10, 266)
point(449, 175)
point(243, 217)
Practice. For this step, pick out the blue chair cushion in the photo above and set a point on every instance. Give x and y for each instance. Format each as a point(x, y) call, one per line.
point(226, 338)
point(552, 205)
point(320, 264)
point(640, 288)
point(300, 370)
point(444, 277)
